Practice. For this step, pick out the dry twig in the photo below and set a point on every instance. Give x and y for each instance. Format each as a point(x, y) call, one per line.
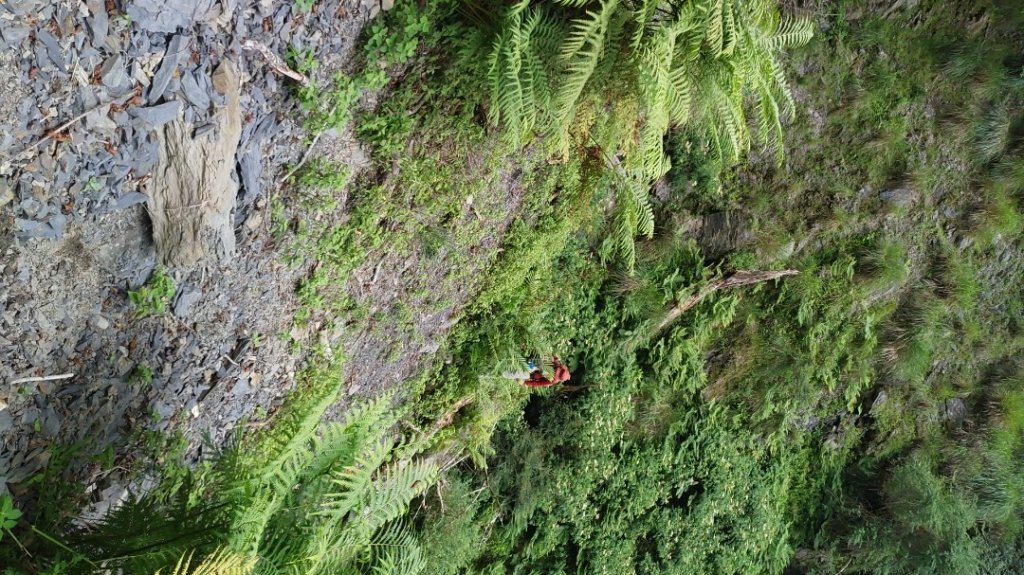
point(276, 63)
point(737, 279)
point(51, 134)
point(44, 378)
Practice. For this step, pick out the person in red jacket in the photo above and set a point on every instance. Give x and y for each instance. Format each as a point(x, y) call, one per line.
point(537, 378)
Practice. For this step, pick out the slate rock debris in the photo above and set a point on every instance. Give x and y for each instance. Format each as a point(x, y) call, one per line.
point(114, 77)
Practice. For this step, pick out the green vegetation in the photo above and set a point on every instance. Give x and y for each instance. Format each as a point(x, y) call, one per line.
point(142, 375)
point(152, 297)
point(553, 70)
point(865, 415)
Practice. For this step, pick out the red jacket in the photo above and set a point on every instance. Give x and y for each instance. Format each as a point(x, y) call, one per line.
point(537, 378)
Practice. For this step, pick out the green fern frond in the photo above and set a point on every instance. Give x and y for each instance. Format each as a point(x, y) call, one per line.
point(769, 124)
point(495, 73)
point(680, 97)
point(395, 552)
point(730, 32)
point(792, 32)
point(586, 30)
point(398, 485)
point(714, 35)
point(643, 15)
point(353, 484)
point(780, 88)
point(625, 234)
point(145, 535)
point(220, 562)
point(294, 428)
point(581, 53)
point(645, 213)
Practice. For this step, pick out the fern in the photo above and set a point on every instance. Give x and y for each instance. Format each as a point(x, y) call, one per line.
point(653, 65)
point(713, 25)
point(321, 503)
point(220, 562)
point(146, 535)
point(394, 551)
point(791, 32)
point(294, 428)
point(580, 54)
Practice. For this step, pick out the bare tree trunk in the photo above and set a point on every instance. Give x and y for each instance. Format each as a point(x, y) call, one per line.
point(736, 279)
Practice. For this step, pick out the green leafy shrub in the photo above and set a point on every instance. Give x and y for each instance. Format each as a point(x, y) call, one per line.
point(152, 297)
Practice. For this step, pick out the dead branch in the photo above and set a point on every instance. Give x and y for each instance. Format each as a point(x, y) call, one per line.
point(447, 418)
point(50, 134)
point(305, 156)
point(276, 63)
point(736, 279)
point(45, 378)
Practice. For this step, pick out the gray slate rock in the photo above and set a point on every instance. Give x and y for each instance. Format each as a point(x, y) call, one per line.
point(251, 167)
point(98, 22)
point(953, 411)
point(53, 50)
point(33, 229)
point(898, 196)
point(173, 57)
point(13, 34)
point(169, 15)
point(186, 298)
point(195, 94)
point(128, 200)
point(156, 116)
point(113, 73)
point(98, 120)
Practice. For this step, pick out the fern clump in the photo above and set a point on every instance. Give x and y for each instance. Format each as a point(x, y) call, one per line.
point(646, 66)
point(305, 497)
point(330, 502)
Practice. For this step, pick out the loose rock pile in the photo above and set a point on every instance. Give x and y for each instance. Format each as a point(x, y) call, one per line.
point(89, 84)
point(89, 90)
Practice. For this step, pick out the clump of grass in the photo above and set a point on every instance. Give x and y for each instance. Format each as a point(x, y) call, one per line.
point(919, 329)
point(885, 265)
point(957, 279)
point(993, 133)
point(152, 297)
point(998, 216)
point(1008, 413)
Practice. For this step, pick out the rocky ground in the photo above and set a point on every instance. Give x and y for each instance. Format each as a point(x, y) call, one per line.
point(110, 113)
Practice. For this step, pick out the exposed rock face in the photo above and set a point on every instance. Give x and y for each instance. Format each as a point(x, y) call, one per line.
point(193, 189)
point(953, 411)
point(722, 232)
point(902, 196)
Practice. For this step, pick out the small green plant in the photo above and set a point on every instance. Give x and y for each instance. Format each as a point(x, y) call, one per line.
point(9, 515)
point(322, 173)
point(153, 296)
point(141, 376)
point(105, 458)
point(303, 6)
point(303, 60)
point(278, 219)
